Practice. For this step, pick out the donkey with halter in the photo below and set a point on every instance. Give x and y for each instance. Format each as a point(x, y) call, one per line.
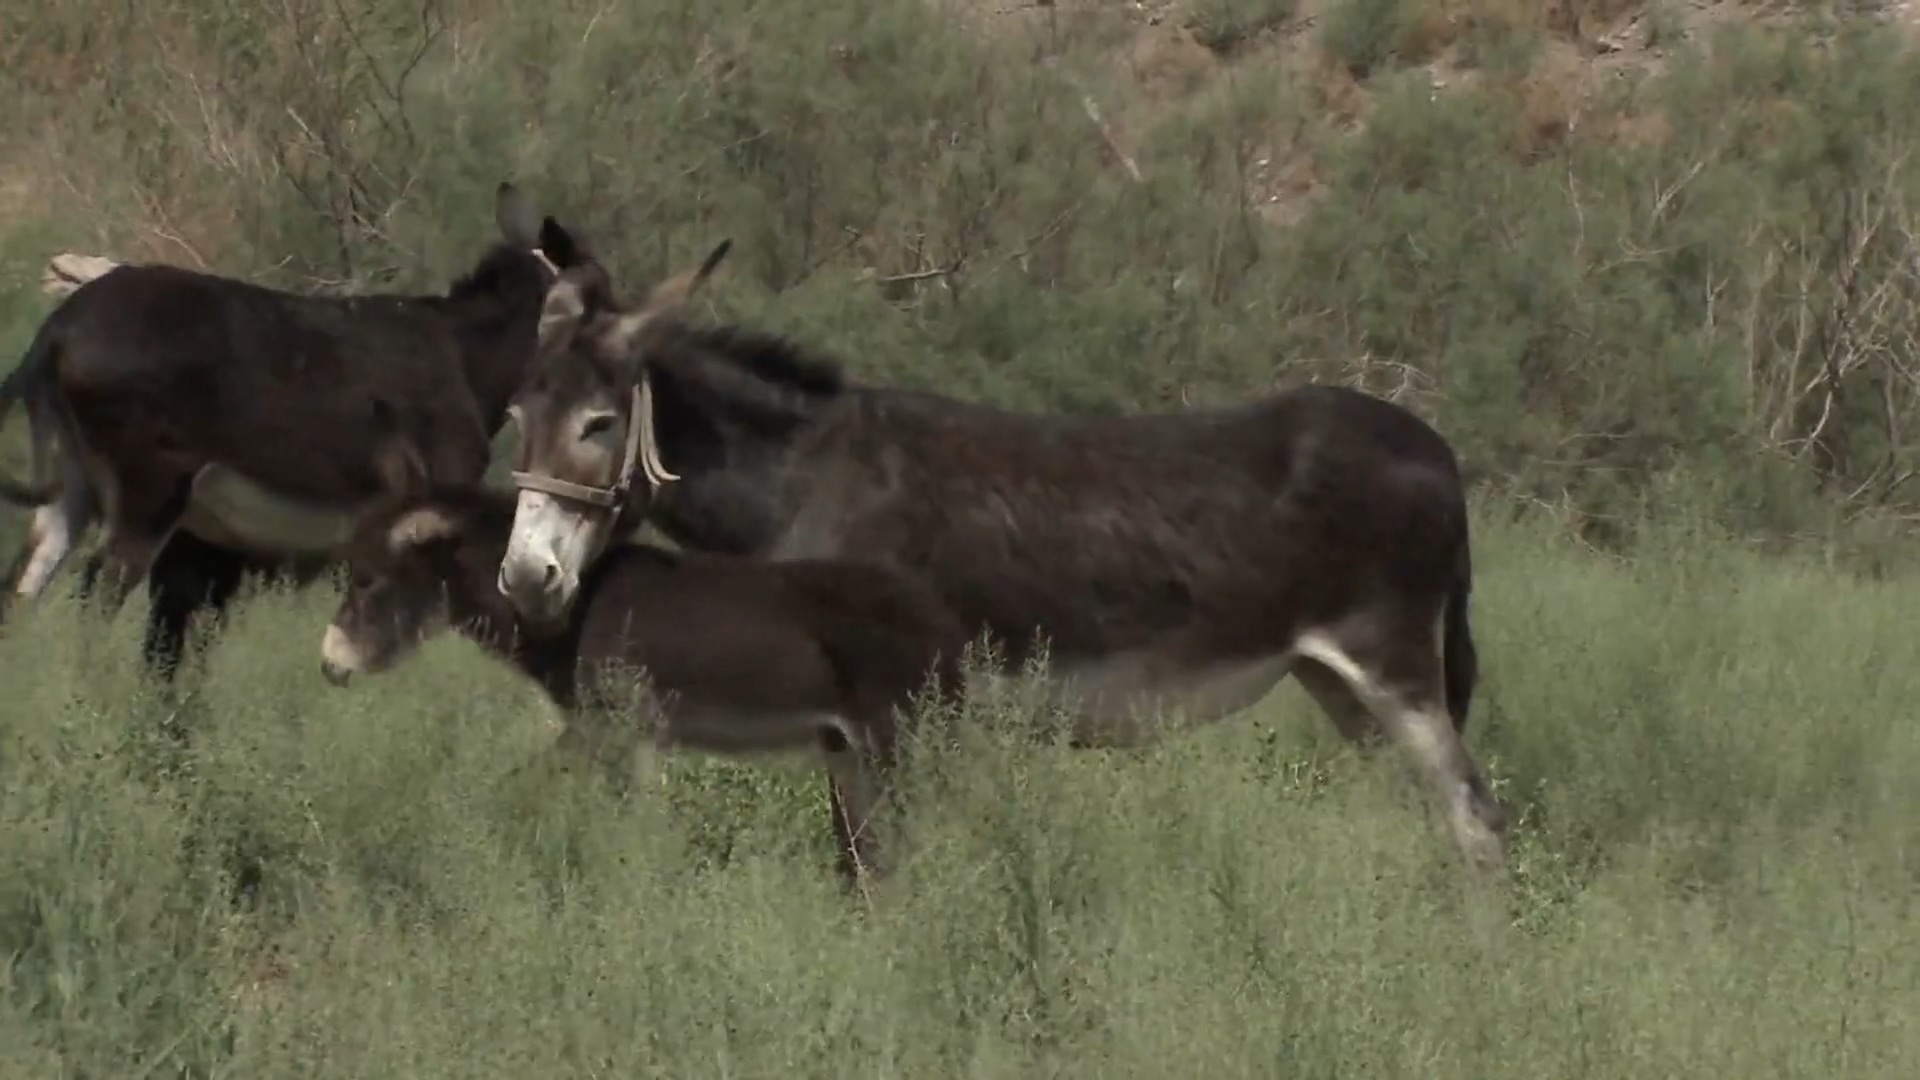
point(1171, 563)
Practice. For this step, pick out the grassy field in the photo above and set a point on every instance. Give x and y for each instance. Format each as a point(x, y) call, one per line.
point(1710, 759)
point(1660, 294)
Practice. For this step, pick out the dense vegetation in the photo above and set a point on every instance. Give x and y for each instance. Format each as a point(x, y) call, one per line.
point(1663, 307)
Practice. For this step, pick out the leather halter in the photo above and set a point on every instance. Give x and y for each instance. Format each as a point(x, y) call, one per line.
point(615, 494)
point(639, 454)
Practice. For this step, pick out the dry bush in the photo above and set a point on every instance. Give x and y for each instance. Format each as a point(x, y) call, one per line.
point(1427, 28)
point(1546, 99)
point(1582, 19)
point(1567, 20)
point(1228, 26)
point(1334, 92)
point(201, 122)
point(1419, 31)
point(1167, 63)
point(1648, 129)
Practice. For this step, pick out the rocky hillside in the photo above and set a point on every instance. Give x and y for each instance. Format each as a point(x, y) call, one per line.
point(1567, 61)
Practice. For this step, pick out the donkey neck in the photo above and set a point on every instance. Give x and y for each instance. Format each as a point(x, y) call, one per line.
point(495, 346)
point(495, 313)
point(475, 608)
point(744, 506)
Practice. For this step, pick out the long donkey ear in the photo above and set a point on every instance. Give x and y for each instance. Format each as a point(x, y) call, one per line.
point(403, 472)
point(560, 317)
point(667, 298)
point(515, 217)
point(561, 247)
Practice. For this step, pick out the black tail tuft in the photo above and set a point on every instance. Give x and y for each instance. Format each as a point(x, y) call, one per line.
point(30, 377)
point(1460, 662)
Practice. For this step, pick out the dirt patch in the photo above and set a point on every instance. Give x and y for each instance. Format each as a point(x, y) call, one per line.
point(1165, 62)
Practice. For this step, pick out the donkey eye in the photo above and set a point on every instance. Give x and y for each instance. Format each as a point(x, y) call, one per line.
point(597, 425)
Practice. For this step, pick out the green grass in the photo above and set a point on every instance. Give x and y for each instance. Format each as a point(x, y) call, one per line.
point(1709, 758)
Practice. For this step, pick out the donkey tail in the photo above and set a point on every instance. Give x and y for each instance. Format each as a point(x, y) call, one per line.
point(1459, 660)
point(29, 380)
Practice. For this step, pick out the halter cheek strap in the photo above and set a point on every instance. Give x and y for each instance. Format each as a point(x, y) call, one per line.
point(642, 453)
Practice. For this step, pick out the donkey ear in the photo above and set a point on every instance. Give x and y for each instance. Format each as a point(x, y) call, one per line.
point(681, 287)
point(560, 316)
point(519, 224)
point(667, 298)
point(559, 245)
point(620, 335)
point(417, 528)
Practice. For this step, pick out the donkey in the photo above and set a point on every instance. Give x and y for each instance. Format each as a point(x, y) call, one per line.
point(146, 376)
point(1178, 563)
point(740, 656)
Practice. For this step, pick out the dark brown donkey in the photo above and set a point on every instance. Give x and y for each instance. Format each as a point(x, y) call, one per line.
point(1171, 563)
point(740, 656)
point(217, 426)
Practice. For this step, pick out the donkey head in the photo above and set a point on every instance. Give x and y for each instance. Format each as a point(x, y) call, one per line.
point(400, 561)
point(588, 452)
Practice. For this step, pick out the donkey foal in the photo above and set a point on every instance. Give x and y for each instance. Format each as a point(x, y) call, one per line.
point(740, 656)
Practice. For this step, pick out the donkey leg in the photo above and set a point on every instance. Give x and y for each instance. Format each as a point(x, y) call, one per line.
point(126, 558)
point(860, 759)
point(143, 511)
point(1351, 717)
point(1394, 670)
point(56, 530)
point(189, 576)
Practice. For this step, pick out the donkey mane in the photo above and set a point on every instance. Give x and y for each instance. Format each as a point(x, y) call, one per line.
point(768, 357)
point(731, 377)
point(502, 271)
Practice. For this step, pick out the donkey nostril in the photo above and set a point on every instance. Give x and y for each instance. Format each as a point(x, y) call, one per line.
point(552, 573)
